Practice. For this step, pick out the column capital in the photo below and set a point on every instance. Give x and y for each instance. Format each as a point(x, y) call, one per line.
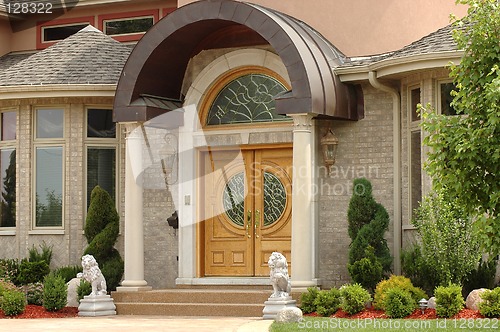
point(302, 122)
point(129, 127)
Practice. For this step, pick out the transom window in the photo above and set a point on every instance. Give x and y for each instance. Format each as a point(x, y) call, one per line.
point(126, 26)
point(247, 99)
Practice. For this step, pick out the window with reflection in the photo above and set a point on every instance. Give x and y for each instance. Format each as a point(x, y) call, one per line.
point(49, 123)
point(445, 90)
point(101, 147)
point(8, 169)
point(49, 186)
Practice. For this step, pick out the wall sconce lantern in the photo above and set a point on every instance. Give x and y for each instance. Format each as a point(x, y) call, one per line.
point(329, 144)
point(170, 157)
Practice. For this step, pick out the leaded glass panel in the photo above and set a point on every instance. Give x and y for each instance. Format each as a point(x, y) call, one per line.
point(247, 99)
point(274, 198)
point(233, 199)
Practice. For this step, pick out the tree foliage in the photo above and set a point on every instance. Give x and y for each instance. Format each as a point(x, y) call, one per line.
point(450, 245)
point(101, 231)
point(369, 255)
point(465, 153)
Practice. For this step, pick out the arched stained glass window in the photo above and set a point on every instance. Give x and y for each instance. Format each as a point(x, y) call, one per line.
point(247, 99)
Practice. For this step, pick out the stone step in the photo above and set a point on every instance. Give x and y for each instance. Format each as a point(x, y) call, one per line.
point(190, 309)
point(194, 302)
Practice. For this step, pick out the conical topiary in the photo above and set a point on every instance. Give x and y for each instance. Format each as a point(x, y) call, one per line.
point(101, 231)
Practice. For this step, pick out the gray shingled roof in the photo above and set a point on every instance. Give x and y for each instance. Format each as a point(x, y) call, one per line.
point(436, 42)
point(87, 57)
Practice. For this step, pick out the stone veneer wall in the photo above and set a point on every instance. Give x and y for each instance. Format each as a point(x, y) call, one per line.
point(68, 243)
point(364, 150)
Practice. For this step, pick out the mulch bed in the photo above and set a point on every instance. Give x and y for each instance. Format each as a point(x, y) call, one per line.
point(417, 314)
point(36, 311)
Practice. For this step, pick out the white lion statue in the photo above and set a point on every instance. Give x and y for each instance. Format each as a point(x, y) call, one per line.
point(93, 274)
point(279, 275)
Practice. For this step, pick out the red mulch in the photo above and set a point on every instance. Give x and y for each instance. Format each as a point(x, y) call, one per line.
point(417, 314)
point(36, 311)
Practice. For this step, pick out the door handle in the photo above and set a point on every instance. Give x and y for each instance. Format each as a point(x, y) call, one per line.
point(249, 222)
point(257, 223)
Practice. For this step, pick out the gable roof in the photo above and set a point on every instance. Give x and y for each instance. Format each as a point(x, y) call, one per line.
point(87, 57)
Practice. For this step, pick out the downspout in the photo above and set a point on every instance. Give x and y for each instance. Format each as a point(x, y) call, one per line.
point(396, 152)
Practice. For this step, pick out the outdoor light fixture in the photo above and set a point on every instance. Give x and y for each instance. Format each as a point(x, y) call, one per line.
point(170, 158)
point(423, 303)
point(329, 144)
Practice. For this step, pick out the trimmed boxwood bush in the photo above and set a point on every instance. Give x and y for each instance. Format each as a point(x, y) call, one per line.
point(55, 293)
point(353, 298)
point(13, 302)
point(449, 300)
point(490, 306)
point(396, 281)
point(327, 302)
point(307, 300)
point(398, 303)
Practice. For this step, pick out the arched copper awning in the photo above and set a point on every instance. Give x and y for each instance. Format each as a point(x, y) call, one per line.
point(157, 65)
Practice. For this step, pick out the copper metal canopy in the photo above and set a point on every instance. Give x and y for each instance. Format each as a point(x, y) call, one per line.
point(157, 65)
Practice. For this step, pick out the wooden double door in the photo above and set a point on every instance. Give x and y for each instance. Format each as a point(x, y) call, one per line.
point(247, 204)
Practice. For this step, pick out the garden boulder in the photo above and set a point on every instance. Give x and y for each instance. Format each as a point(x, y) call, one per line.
point(474, 298)
point(73, 292)
point(432, 303)
point(289, 315)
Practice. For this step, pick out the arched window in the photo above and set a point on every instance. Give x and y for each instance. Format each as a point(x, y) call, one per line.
point(246, 98)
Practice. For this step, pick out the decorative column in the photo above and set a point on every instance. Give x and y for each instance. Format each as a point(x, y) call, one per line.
point(134, 229)
point(303, 204)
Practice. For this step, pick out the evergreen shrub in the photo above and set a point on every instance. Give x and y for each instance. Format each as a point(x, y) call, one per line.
point(55, 293)
point(13, 302)
point(101, 232)
point(398, 303)
point(307, 300)
point(34, 293)
point(327, 302)
point(353, 298)
point(400, 282)
point(449, 300)
point(490, 306)
point(84, 289)
point(68, 272)
point(32, 272)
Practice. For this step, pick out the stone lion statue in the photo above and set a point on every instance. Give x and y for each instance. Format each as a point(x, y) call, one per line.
point(93, 274)
point(279, 275)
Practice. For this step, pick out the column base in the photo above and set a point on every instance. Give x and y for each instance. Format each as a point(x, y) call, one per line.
point(133, 286)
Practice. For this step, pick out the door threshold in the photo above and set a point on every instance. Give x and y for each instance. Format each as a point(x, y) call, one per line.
point(232, 281)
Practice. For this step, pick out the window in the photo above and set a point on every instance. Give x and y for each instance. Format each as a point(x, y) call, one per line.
point(49, 172)
point(415, 151)
point(128, 25)
point(247, 99)
point(446, 98)
point(101, 151)
point(8, 169)
point(56, 33)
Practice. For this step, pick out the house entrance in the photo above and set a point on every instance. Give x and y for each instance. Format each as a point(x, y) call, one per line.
point(247, 208)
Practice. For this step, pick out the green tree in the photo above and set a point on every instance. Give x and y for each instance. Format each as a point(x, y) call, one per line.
point(465, 153)
point(369, 255)
point(450, 245)
point(101, 231)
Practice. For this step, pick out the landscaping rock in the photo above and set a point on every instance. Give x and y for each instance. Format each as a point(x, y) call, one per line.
point(474, 298)
point(73, 292)
point(289, 315)
point(432, 303)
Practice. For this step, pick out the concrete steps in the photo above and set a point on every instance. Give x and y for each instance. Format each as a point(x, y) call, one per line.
point(193, 302)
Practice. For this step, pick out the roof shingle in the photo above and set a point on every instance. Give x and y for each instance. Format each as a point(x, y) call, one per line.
point(87, 57)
